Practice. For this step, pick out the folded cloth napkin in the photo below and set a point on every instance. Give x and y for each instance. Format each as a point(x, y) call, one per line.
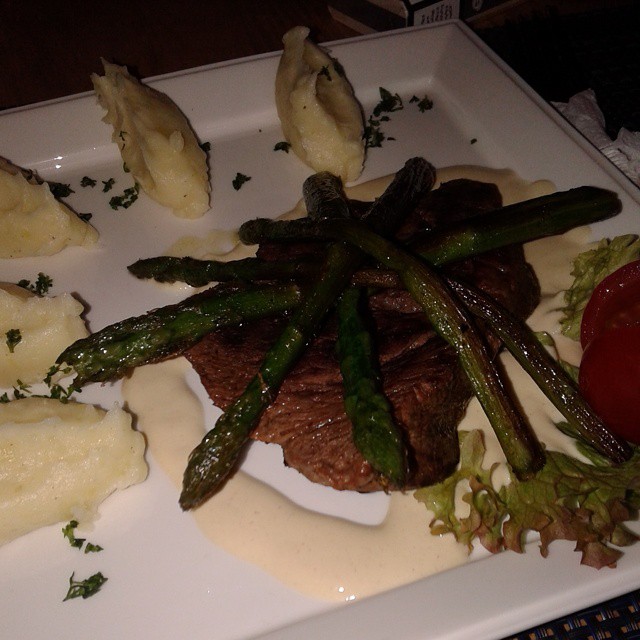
point(584, 114)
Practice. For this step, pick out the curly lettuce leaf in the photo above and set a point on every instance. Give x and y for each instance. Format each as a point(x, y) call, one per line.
point(567, 500)
point(589, 269)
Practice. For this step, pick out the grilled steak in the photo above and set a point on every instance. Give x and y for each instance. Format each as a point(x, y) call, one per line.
point(421, 375)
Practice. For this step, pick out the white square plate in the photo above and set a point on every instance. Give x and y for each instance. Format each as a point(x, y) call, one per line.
point(165, 580)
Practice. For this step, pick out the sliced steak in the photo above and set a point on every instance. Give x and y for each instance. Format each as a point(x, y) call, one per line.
point(421, 375)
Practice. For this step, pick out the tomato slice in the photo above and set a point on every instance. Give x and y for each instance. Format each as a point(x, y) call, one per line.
point(615, 302)
point(609, 379)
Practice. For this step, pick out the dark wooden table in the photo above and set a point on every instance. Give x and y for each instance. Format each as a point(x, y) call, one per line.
point(49, 49)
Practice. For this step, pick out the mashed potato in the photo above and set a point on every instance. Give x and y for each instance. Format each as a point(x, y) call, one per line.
point(319, 114)
point(156, 142)
point(32, 221)
point(46, 326)
point(60, 461)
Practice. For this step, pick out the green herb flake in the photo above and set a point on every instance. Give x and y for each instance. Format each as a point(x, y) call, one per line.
point(68, 531)
point(239, 180)
point(282, 146)
point(60, 190)
point(41, 286)
point(21, 390)
point(128, 197)
point(424, 104)
point(88, 182)
point(84, 588)
point(13, 338)
point(107, 185)
point(206, 147)
point(373, 135)
point(473, 140)
point(388, 102)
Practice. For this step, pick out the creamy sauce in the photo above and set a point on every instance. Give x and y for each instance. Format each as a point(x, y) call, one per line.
point(324, 556)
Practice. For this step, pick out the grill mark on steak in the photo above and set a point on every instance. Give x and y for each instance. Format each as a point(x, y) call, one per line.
point(421, 375)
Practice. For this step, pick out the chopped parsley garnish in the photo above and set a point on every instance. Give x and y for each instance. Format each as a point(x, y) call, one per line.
point(56, 368)
point(424, 104)
point(60, 190)
point(474, 140)
point(373, 136)
point(56, 391)
point(388, 103)
point(108, 184)
point(88, 182)
point(206, 147)
point(68, 531)
point(40, 287)
point(128, 197)
point(21, 390)
point(239, 180)
point(84, 588)
point(282, 146)
point(13, 338)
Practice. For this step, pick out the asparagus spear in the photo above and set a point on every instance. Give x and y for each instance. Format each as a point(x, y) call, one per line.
point(168, 331)
point(552, 379)
point(451, 320)
point(561, 212)
point(109, 353)
point(199, 273)
point(375, 433)
point(541, 217)
point(212, 460)
point(536, 218)
point(521, 222)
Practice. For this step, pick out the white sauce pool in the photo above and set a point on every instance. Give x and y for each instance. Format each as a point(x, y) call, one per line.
point(324, 556)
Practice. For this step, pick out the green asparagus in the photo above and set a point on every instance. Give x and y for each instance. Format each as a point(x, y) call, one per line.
point(212, 460)
point(168, 331)
point(450, 319)
point(521, 222)
point(199, 273)
point(536, 218)
point(375, 433)
point(550, 377)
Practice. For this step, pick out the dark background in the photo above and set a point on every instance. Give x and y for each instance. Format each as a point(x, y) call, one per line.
point(49, 49)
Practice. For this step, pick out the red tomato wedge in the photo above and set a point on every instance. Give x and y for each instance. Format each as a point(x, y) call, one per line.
point(615, 302)
point(609, 380)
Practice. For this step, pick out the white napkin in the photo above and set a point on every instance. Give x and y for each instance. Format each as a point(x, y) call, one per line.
point(583, 112)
